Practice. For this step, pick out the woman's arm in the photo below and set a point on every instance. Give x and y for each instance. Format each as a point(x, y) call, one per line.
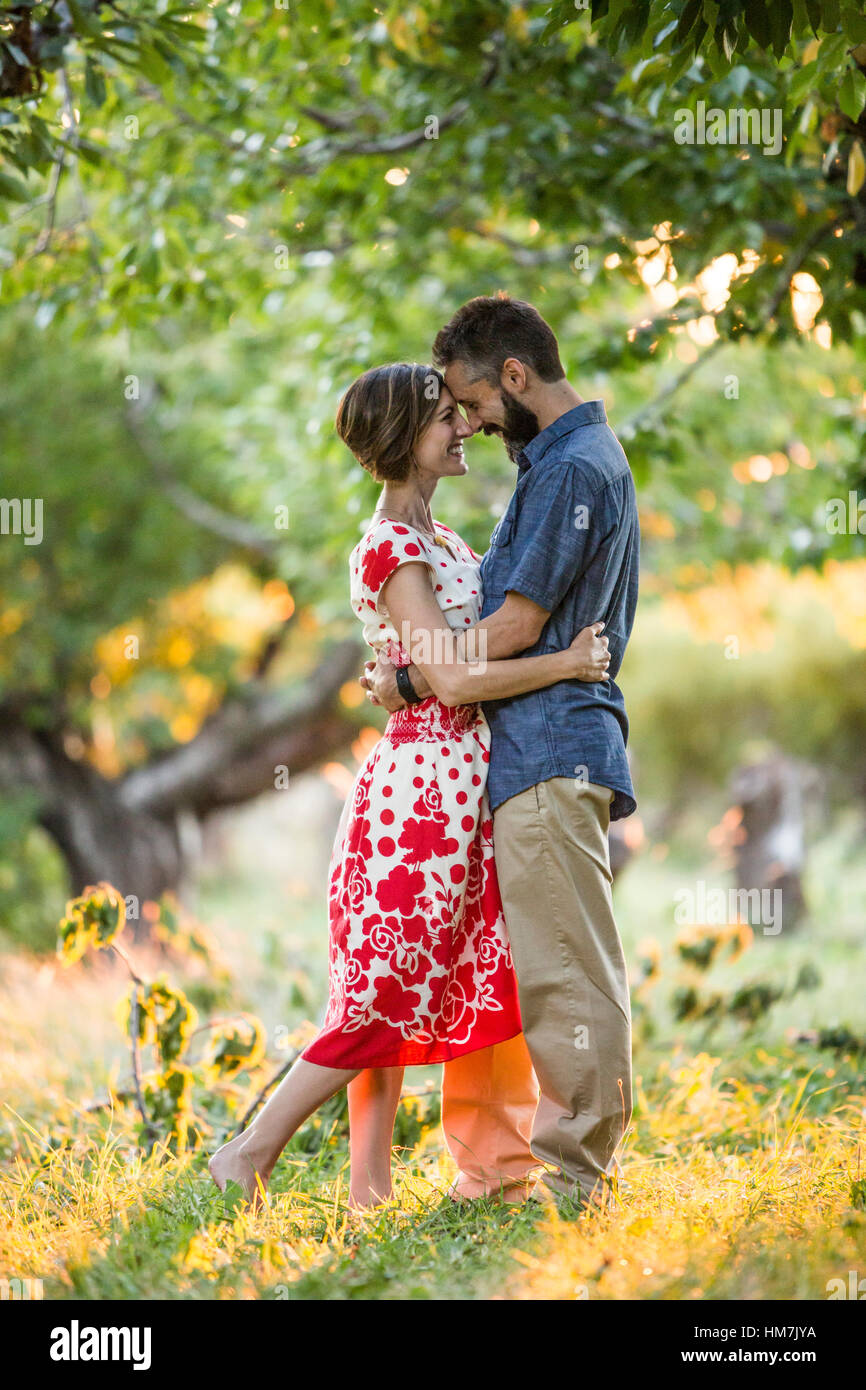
point(512, 627)
point(436, 652)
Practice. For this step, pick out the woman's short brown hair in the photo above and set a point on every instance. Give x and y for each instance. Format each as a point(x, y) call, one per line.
point(383, 415)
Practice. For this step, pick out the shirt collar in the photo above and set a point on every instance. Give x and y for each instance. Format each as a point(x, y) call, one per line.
point(587, 413)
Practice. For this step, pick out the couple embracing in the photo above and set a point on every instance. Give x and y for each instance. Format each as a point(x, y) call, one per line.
point(470, 912)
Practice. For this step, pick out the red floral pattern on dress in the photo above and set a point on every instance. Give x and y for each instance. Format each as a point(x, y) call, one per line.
point(420, 967)
point(454, 572)
point(378, 564)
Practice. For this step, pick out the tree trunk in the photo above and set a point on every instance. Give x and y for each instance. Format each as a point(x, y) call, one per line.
point(769, 848)
point(101, 838)
point(129, 831)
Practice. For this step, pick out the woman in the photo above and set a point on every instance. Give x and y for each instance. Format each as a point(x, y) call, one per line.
point(420, 967)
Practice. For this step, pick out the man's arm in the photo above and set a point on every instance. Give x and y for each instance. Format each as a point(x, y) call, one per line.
point(515, 625)
point(565, 524)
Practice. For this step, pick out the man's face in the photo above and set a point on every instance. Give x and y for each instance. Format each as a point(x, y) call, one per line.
point(492, 409)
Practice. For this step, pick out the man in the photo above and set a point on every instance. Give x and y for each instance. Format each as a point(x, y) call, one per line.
point(563, 556)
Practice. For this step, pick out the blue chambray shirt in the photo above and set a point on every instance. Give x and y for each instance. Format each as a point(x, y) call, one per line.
point(569, 540)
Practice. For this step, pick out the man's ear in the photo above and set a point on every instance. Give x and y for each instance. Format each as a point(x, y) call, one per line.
point(514, 376)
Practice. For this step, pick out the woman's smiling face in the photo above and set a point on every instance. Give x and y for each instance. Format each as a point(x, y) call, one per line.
point(439, 451)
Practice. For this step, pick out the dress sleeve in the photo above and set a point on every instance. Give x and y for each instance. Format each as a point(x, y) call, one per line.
point(388, 546)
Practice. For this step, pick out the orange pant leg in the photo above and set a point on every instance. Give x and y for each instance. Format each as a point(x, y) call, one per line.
point(489, 1099)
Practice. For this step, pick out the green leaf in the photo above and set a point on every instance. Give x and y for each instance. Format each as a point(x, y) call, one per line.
point(726, 39)
point(831, 53)
point(94, 82)
point(854, 22)
point(152, 64)
point(170, 55)
point(687, 20)
point(14, 189)
point(634, 22)
point(73, 936)
point(830, 15)
point(711, 14)
point(234, 1199)
point(758, 22)
point(664, 33)
point(852, 94)
point(148, 266)
point(698, 33)
point(89, 152)
point(84, 23)
point(781, 18)
point(678, 65)
point(802, 82)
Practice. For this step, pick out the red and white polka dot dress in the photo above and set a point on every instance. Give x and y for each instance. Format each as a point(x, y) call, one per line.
point(420, 967)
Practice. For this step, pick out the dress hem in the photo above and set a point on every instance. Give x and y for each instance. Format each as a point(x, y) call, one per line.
point(437, 1053)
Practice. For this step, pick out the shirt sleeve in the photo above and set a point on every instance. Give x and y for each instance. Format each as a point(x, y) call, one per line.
point(388, 546)
point(556, 535)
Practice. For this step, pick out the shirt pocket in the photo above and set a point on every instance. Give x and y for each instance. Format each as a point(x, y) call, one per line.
point(502, 533)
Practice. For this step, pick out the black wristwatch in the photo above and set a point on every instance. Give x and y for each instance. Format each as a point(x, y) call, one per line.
point(405, 686)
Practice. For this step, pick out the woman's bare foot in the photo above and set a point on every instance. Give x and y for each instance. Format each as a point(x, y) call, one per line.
point(238, 1162)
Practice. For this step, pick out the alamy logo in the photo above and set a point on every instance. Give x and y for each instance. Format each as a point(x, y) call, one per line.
point(846, 520)
point(22, 516)
point(719, 907)
point(20, 1290)
point(738, 125)
point(855, 1288)
point(76, 1343)
point(437, 648)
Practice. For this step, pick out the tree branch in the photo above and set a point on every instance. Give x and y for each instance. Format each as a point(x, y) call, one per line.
point(195, 774)
point(74, 140)
point(524, 255)
point(44, 240)
point(317, 154)
point(797, 258)
point(330, 121)
point(196, 509)
point(640, 417)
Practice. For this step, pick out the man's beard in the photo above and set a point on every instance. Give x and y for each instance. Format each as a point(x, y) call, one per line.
point(519, 427)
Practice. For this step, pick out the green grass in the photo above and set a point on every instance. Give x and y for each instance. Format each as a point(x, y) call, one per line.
point(742, 1162)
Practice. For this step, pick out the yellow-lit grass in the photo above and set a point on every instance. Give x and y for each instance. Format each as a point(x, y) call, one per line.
point(734, 1189)
point(770, 1216)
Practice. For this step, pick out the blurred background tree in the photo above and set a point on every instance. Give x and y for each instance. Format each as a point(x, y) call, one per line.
point(216, 216)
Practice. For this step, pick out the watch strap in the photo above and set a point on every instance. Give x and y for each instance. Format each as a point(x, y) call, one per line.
point(405, 686)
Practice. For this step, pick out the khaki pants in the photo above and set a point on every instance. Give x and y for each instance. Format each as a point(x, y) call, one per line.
point(554, 877)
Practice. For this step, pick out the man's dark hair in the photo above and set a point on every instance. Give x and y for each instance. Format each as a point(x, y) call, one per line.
point(489, 329)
